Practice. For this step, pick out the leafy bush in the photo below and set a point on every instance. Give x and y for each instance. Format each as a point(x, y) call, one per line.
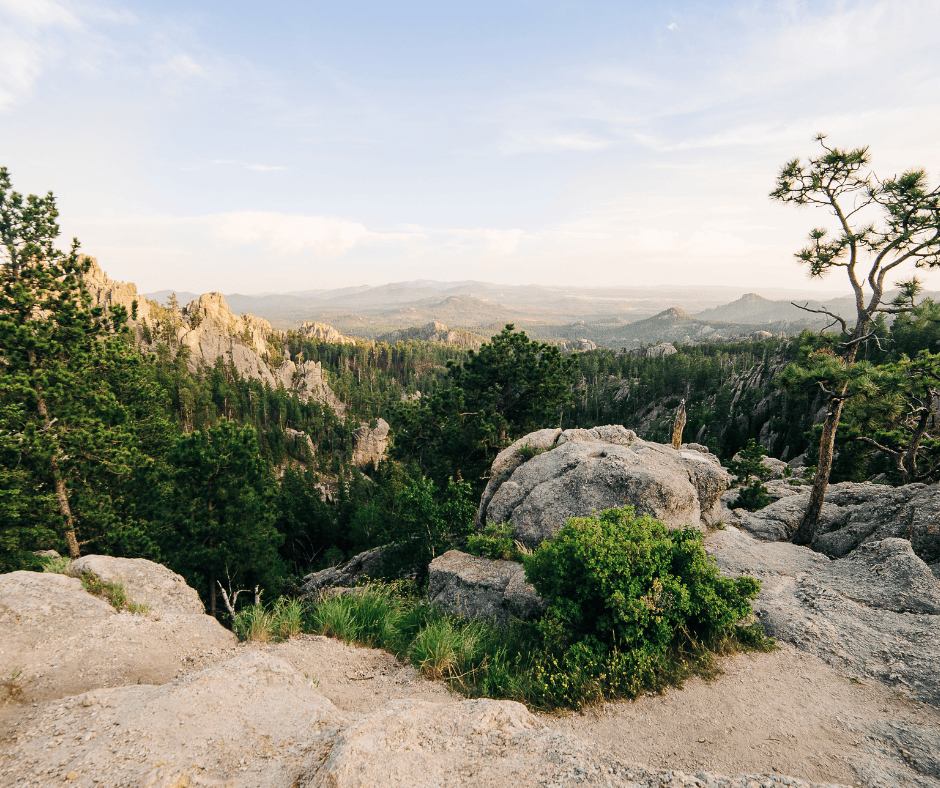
point(627, 600)
point(752, 497)
point(496, 541)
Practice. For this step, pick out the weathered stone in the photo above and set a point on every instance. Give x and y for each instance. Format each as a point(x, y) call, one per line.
point(481, 587)
point(884, 574)
point(511, 458)
point(851, 612)
point(198, 730)
point(366, 564)
point(661, 350)
point(593, 470)
point(321, 332)
point(145, 582)
point(369, 444)
point(107, 292)
point(308, 380)
point(856, 513)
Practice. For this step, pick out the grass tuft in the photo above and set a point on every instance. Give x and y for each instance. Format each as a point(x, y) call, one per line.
point(113, 593)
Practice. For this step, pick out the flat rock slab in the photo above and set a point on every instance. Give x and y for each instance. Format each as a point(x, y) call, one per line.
point(871, 614)
point(488, 744)
point(199, 730)
point(62, 640)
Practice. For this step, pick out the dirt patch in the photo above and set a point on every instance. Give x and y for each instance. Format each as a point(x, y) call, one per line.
point(784, 713)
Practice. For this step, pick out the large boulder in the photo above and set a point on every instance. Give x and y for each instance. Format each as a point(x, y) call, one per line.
point(482, 588)
point(856, 513)
point(583, 471)
point(873, 613)
point(61, 640)
point(146, 583)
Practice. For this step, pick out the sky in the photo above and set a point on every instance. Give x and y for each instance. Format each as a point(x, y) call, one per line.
point(270, 147)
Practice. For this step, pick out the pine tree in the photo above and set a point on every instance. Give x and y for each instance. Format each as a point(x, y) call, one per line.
point(61, 422)
point(906, 230)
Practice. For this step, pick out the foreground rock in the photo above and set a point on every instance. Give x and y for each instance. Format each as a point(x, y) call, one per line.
point(873, 614)
point(486, 744)
point(583, 471)
point(256, 721)
point(60, 640)
point(146, 583)
point(475, 587)
point(856, 513)
point(256, 717)
point(198, 730)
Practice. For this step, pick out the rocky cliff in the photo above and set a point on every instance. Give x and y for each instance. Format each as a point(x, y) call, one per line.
point(211, 331)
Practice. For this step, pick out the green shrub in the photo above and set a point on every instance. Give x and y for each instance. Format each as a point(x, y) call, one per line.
point(495, 541)
point(253, 624)
point(628, 601)
point(750, 463)
point(752, 497)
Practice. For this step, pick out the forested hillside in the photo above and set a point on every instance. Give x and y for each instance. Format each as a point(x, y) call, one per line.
point(232, 452)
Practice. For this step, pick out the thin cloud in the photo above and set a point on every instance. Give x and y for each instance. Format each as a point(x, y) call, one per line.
point(672, 26)
point(264, 167)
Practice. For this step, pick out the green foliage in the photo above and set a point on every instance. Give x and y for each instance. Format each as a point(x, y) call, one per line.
point(69, 432)
point(623, 593)
point(753, 496)
point(220, 522)
point(510, 387)
point(496, 541)
point(480, 659)
point(749, 463)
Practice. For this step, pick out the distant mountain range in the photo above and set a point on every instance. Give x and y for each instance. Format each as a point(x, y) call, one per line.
point(613, 317)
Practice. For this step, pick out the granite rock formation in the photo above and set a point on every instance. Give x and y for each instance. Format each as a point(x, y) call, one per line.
point(475, 587)
point(582, 471)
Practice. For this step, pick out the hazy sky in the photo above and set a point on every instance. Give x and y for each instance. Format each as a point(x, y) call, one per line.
point(284, 146)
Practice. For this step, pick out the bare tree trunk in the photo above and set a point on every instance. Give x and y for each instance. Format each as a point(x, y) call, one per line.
point(678, 425)
point(810, 523)
point(212, 596)
point(61, 492)
point(909, 465)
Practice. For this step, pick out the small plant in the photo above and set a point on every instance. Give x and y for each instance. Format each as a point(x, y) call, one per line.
point(58, 566)
point(749, 463)
point(495, 541)
point(287, 618)
point(527, 451)
point(14, 686)
point(752, 497)
point(253, 624)
point(113, 593)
